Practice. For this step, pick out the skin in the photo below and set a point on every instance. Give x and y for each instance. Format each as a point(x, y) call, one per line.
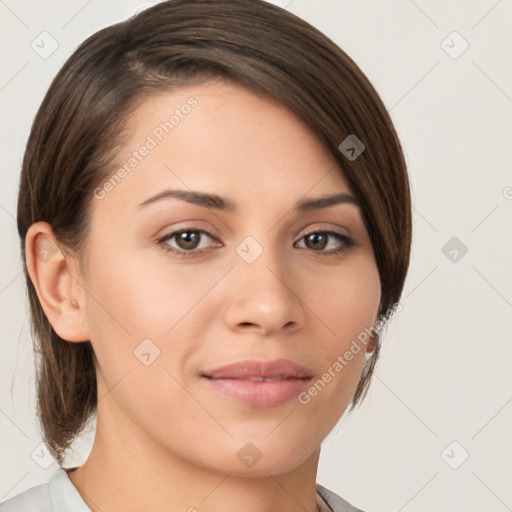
point(164, 439)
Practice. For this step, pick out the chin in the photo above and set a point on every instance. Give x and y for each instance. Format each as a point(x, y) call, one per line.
point(253, 459)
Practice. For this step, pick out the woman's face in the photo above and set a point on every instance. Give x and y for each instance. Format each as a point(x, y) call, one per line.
point(251, 277)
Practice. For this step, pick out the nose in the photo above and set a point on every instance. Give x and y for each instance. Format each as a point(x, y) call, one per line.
point(263, 298)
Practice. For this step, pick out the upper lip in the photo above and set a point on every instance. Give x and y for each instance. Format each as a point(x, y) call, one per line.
point(283, 368)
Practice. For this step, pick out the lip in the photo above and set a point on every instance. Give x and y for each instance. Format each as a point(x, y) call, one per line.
point(244, 381)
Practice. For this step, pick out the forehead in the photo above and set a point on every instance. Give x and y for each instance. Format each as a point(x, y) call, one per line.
point(222, 138)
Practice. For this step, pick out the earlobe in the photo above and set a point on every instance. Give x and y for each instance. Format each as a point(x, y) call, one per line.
point(371, 343)
point(374, 336)
point(58, 286)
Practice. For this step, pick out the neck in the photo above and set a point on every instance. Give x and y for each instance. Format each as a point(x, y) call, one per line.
point(120, 475)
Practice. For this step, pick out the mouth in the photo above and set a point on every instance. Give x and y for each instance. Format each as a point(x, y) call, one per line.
point(261, 379)
point(278, 369)
point(259, 383)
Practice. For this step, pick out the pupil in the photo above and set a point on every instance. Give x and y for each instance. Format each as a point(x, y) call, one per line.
point(313, 239)
point(188, 239)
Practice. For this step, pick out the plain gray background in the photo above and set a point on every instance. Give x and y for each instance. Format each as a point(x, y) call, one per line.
point(434, 434)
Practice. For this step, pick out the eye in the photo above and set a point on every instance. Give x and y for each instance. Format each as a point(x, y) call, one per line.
point(189, 242)
point(194, 242)
point(318, 241)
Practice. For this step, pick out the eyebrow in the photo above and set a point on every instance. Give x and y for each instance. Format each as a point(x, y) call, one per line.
point(216, 202)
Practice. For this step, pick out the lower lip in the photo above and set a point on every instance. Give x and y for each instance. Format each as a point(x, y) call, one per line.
point(260, 393)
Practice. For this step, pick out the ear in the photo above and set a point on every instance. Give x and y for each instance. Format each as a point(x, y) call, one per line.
point(58, 284)
point(371, 343)
point(374, 337)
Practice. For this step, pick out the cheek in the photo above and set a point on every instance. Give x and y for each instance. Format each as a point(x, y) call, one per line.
point(132, 309)
point(348, 302)
point(131, 301)
point(133, 297)
point(348, 307)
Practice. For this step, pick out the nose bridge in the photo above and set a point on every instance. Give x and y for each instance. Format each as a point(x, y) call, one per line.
point(261, 293)
point(261, 267)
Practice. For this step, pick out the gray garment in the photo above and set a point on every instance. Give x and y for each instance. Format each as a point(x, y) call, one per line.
point(335, 502)
point(60, 495)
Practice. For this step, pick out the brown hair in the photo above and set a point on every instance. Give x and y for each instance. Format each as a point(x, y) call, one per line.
point(73, 141)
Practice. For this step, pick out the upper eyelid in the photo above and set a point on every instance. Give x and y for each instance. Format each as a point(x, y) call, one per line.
point(175, 232)
point(191, 226)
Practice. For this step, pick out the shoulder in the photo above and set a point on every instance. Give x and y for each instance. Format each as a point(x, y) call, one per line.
point(34, 499)
point(335, 502)
point(58, 495)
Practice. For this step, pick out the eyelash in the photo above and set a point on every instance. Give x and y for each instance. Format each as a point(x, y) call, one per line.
point(348, 243)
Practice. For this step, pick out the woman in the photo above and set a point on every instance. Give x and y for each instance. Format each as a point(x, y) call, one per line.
point(215, 220)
